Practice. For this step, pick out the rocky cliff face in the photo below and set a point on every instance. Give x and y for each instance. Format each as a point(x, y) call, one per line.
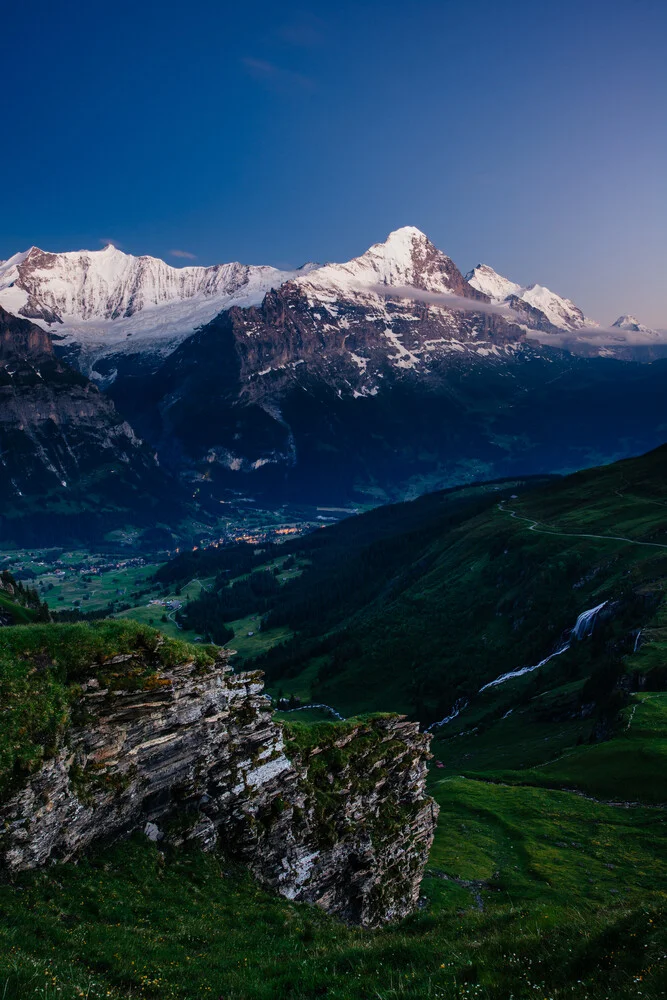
point(340, 820)
point(63, 445)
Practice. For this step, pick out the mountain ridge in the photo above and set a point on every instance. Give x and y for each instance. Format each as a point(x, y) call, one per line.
point(98, 299)
point(104, 306)
point(381, 377)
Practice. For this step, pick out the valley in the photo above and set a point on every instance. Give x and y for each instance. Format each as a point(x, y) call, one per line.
point(333, 501)
point(548, 868)
point(375, 487)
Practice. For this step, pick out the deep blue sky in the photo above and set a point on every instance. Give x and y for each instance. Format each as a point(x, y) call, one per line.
point(528, 135)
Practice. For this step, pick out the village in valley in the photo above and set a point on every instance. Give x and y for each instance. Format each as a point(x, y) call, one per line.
point(78, 583)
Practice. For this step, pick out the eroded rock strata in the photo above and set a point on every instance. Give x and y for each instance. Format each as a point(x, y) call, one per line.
point(338, 817)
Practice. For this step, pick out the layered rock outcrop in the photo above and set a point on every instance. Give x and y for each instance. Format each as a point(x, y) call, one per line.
point(338, 818)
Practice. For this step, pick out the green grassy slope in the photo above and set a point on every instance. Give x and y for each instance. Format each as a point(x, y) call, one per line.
point(19, 604)
point(630, 767)
point(530, 891)
point(15, 613)
point(548, 876)
point(478, 593)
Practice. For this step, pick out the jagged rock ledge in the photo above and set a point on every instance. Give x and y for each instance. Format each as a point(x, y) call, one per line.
point(334, 814)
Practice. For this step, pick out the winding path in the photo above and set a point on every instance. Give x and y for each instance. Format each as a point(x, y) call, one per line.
point(537, 526)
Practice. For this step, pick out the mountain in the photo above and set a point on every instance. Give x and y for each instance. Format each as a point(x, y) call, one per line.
point(556, 312)
point(110, 311)
point(631, 325)
point(381, 378)
point(556, 321)
point(103, 306)
point(69, 461)
point(377, 378)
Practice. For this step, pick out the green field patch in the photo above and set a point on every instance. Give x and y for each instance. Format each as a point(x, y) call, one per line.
point(516, 742)
point(631, 767)
point(548, 846)
point(134, 921)
point(249, 645)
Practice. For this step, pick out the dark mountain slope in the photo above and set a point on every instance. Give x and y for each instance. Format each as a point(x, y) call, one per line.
point(71, 466)
point(385, 376)
point(245, 417)
point(464, 590)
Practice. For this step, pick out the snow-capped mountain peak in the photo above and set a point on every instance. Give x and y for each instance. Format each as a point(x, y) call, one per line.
point(561, 313)
point(407, 258)
point(558, 312)
point(108, 309)
point(488, 281)
point(632, 325)
point(109, 284)
point(105, 302)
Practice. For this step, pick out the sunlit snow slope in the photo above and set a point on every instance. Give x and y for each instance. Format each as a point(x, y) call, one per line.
point(107, 302)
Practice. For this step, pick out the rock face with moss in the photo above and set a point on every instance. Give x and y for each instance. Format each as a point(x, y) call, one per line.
point(362, 827)
point(188, 752)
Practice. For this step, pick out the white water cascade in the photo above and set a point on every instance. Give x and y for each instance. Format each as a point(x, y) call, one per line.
point(637, 641)
point(327, 708)
point(583, 627)
point(586, 622)
point(458, 707)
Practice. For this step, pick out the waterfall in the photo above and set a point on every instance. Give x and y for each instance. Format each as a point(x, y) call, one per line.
point(458, 707)
point(586, 622)
point(637, 640)
point(524, 670)
point(583, 627)
point(327, 708)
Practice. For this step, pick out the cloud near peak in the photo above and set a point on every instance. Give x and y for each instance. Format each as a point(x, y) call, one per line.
point(458, 303)
point(599, 336)
point(184, 254)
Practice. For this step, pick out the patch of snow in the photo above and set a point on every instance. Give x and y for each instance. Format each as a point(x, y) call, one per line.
point(361, 362)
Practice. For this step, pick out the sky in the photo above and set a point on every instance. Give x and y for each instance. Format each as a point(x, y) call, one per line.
point(531, 136)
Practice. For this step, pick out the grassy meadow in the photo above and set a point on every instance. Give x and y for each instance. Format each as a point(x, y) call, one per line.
point(548, 875)
point(531, 891)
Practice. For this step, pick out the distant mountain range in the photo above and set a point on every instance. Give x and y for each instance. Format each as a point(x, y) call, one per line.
point(381, 377)
point(552, 319)
point(106, 305)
